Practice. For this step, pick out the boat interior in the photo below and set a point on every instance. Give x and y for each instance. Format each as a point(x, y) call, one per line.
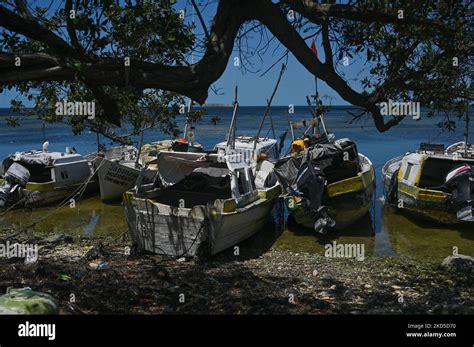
point(38, 173)
point(435, 170)
point(342, 168)
point(195, 189)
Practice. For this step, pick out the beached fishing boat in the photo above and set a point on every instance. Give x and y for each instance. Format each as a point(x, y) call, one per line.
point(323, 189)
point(201, 205)
point(328, 184)
point(149, 151)
point(118, 167)
point(433, 183)
point(39, 177)
point(117, 171)
point(262, 158)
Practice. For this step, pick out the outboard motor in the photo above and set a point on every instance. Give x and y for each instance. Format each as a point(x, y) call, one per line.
point(461, 183)
point(14, 181)
point(311, 182)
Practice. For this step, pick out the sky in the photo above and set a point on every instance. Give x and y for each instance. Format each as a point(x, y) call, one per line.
point(254, 90)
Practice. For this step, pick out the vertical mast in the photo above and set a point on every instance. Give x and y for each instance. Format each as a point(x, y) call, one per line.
point(233, 123)
point(466, 130)
point(269, 104)
point(98, 140)
point(188, 126)
point(140, 145)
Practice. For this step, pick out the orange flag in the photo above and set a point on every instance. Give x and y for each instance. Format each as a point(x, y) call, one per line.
point(314, 49)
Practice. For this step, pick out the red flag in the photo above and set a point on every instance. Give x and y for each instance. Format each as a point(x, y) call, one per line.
point(314, 49)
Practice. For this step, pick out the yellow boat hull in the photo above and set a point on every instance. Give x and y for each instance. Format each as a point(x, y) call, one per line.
point(432, 205)
point(347, 201)
point(50, 192)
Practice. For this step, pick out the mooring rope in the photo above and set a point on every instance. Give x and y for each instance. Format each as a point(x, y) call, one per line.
point(79, 190)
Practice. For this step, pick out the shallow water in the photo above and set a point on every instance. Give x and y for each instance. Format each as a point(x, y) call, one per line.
point(384, 233)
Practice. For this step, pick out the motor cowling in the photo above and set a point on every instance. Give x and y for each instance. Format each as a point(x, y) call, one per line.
point(14, 181)
point(460, 182)
point(311, 183)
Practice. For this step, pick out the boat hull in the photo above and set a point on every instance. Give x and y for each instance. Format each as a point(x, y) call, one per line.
point(197, 231)
point(423, 203)
point(347, 201)
point(48, 193)
point(432, 205)
point(116, 177)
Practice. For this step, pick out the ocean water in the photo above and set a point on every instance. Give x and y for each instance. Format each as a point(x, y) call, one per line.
point(384, 233)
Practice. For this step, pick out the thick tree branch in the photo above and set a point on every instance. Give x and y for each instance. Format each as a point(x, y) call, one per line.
point(71, 29)
point(33, 30)
point(192, 81)
point(65, 62)
point(315, 12)
point(275, 20)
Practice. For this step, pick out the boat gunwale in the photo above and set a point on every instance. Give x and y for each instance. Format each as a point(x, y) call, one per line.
point(131, 195)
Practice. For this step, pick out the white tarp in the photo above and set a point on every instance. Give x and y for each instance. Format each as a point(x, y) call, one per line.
point(174, 166)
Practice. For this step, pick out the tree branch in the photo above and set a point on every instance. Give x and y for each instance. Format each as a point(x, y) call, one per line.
point(192, 81)
point(23, 8)
point(315, 12)
point(33, 30)
point(201, 20)
point(71, 29)
point(327, 45)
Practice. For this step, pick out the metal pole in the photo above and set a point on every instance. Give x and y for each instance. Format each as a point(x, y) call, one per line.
point(140, 145)
point(269, 103)
point(98, 140)
point(466, 130)
point(291, 127)
point(232, 129)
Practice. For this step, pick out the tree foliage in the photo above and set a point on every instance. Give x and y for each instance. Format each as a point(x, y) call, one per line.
point(414, 51)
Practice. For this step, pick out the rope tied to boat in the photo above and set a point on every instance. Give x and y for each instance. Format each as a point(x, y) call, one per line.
point(204, 225)
point(80, 190)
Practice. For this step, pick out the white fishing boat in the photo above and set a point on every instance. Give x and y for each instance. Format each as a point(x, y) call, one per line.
point(202, 204)
point(39, 177)
point(119, 167)
point(117, 171)
point(244, 147)
point(433, 183)
point(149, 151)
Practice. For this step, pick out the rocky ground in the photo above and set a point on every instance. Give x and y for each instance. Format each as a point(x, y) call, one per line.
point(103, 278)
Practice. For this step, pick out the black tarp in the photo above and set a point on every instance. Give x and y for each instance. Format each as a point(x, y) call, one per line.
point(337, 161)
point(307, 174)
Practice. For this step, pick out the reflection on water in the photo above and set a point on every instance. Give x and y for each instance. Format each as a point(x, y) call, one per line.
point(400, 235)
point(89, 218)
point(296, 238)
point(411, 237)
